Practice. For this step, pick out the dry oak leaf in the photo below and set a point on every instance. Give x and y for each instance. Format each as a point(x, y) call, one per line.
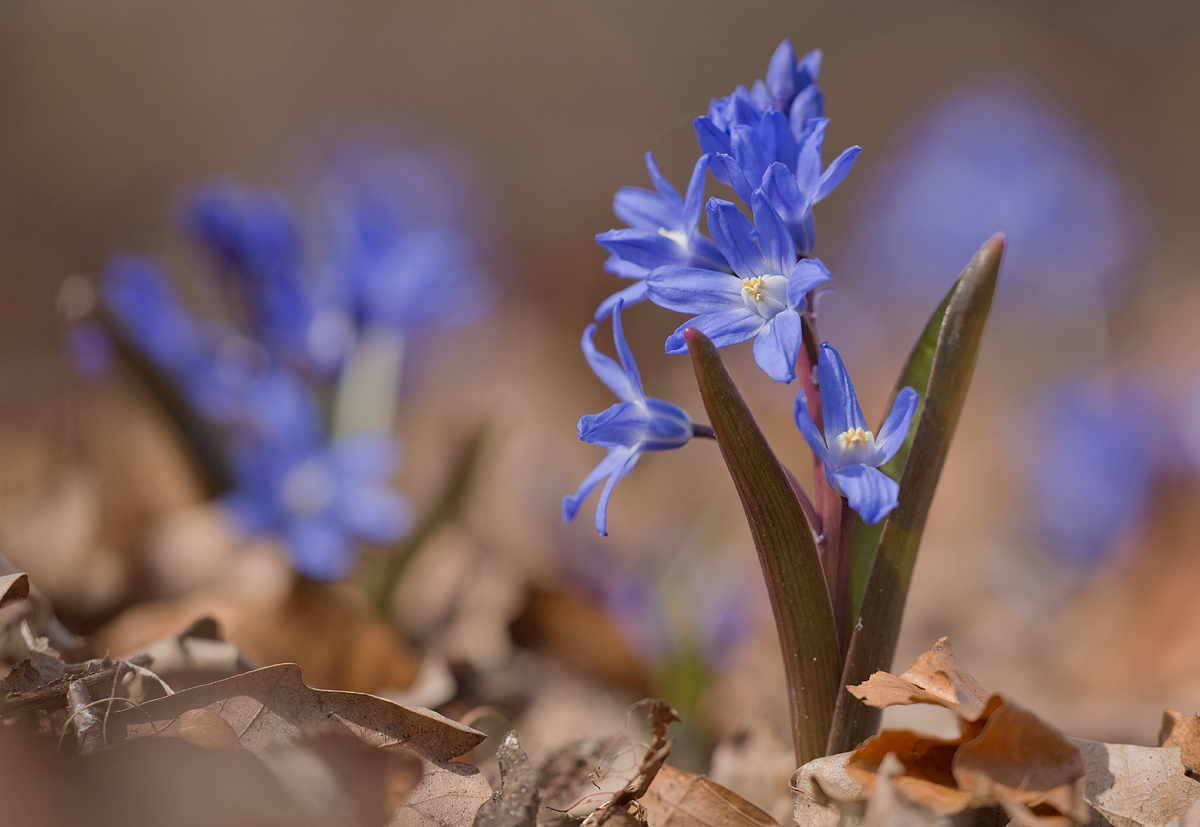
point(681, 799)
point(273, 706)
point(1004, 754)
point(1134, 786)
point(1183, 731)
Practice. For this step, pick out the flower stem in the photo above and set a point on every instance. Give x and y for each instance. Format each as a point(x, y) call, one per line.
point(842, 585)
point(703, 432)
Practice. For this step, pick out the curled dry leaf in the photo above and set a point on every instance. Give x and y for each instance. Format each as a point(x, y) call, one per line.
point(617, 808)
point(1183, 731)
point(1004, 755)
point(681, 799)
point(515, 804)
point(13, 588)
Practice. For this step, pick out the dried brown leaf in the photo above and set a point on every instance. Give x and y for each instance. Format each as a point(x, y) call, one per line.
point(660, 715)
point(681, 799)
point(13, 589)
point(205, 728)
point(449, 795)
point(1183, 731)
point(937, 677)
point(1005, 754)
point(273, 705)
point(515, 804)
point(1020, 759)
point(927, 764)
point(1134, 786)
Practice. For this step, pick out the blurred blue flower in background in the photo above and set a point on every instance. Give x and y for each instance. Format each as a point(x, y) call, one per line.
point(320, 500)
point(1092, 462)
point(393, 250)
point(635, 424)
point(990, 158)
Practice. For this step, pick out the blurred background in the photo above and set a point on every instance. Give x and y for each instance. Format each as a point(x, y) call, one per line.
point(1060, 556)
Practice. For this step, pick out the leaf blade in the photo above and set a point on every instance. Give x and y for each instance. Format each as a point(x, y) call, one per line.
point(873, 643)
point(915, 374)
point(786, 550)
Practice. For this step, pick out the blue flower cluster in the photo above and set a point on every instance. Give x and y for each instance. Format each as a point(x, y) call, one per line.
point(268, 370)
point(752, 277)
point(1095, 457)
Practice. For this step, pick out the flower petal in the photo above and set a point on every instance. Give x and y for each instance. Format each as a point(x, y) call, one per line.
point(625, 269)
point(781, 74)
point(774, 240)
point(319, 549)
point(646, 248)
point(628, 460)
point(778, 345)
point(836, 172)
point(731, 174)
point(606, 368)
point(806, 274)
point(642, 209)
point(571, 502)
point(809, 104)
point(625, 354)
point(692, 290)
point(870, 492)
point(670, 195)
point(748, 152)
point(839, 404)
point(793, 206)
point(735, 238)
point(895, 428)
point(730, 327)
point(808, 162)
point(808, 428)
point(713, 141)
point(632, 294)
point(693, 202)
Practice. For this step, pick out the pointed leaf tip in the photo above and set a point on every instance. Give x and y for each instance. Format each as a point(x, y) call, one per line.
point(689, 335)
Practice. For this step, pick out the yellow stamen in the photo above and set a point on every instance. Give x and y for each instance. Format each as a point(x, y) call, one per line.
point(853, 436)
point(754, 287)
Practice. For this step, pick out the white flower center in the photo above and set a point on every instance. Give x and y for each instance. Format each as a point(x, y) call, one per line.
point(855, 446)
point(765, 295)
point(309, 488)
point(678, 236)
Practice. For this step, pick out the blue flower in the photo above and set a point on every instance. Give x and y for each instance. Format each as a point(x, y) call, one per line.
point(662, 230)
point(851, 453)
point(994, 156)
point(319, 497)
point(635, 424)
point(252, 240)
point(402, 254)
point(763, 300)
point(789, 99)
point(1092, 465)
point(197, 356)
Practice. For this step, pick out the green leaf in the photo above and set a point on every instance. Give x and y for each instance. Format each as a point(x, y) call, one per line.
point(786, 550)
point(873, 643)
point(915, 375)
